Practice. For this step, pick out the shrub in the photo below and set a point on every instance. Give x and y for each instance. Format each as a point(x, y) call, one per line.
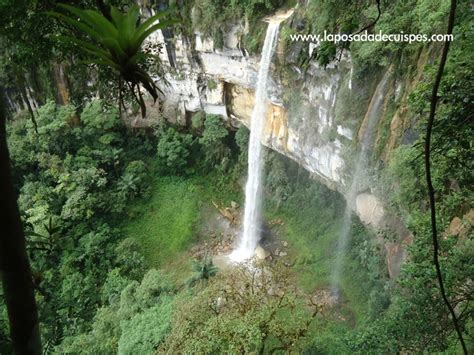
point(129, 259)
point(144, 332)
point(258, 320)
point(132, 182)
point(212, 16)
point(174, 150)
point(277, 181)
point(212, 141)
point(242, 140)
point(197, 121)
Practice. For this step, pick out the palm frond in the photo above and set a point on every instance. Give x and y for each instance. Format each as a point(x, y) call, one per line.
point(78, 25)
point(159, 26)
point(98, 51)
point(93, 19)
point(118, 42)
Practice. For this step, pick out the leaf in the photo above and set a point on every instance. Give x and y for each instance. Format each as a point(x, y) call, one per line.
point(78, 25)
point(85, 45)
point(150, 21)
point(94, 19)
point(119, 41)
point(114, 47)
point(117, 16)
point(99, 62)
point(139, 40)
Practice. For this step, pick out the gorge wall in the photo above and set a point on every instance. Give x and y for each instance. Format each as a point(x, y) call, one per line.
point(315, 115)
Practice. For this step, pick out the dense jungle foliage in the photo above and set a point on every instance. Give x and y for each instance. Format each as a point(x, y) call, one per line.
point(113, 215)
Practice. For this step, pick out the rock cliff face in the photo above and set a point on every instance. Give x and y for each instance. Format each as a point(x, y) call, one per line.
point(222, 81)
point(315, 118)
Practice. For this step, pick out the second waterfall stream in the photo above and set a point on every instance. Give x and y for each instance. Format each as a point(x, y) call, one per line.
point(253, 188)
point(360, 181)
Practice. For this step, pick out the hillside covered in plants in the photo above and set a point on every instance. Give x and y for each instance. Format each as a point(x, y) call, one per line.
point(191, 177)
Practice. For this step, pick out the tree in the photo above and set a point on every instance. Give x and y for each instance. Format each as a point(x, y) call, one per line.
point(418, 319)
point(135, 317)
point(14, 264)
point(117, 43)
point(203, 270)
point(79, 172)
point(213, 141)
point(174, 149)
point(245, 310)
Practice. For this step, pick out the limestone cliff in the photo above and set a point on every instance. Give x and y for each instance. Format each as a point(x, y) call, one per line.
point(316, 116)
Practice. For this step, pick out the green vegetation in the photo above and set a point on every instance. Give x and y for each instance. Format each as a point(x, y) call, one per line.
point(269, 316)
point(384, 131)
point(118, 44)
point(311, 218)
point(75, 177)
point(163, 224)
point(119, 221)
point(350, 17)
point(212, 17)
point(135, 317)
point(174, 150)
point(213, 137)
point(417, 311)
point(89, 179)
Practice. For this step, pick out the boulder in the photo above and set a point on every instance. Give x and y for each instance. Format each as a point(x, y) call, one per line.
point(261, 253)
point(460, 227)
point(455, 227)
point(369, 209)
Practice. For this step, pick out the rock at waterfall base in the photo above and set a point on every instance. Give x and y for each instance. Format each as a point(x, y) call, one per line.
point(261, 253)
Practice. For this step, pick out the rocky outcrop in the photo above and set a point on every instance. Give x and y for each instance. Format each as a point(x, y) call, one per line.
point(460, 227)
point(315, 118)
point(310, 129)
point(222, 81)
point(370, 210)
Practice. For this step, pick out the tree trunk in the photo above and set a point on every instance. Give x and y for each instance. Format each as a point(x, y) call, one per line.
point(21, 86)
point(62, 84)
point(15, 269)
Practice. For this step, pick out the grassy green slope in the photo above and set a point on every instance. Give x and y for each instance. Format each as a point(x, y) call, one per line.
point(163, 223)
point(311, 227)
point(167, 221)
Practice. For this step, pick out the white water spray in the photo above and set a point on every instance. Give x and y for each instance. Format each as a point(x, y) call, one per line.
point(251, 231)
point(359, 179)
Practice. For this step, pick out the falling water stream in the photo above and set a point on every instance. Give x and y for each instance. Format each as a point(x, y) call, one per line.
point(359, 180)
point(251, 227)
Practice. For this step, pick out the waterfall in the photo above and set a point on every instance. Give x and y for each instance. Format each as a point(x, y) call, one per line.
point(253, 204)
point(359, 179)
point(349, 85)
